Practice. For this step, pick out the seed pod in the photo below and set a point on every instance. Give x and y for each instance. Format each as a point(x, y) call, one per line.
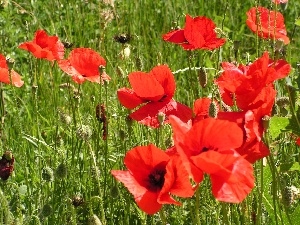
point(202, 75)
point(61, 171)
point(47, 174)
point(94, 220)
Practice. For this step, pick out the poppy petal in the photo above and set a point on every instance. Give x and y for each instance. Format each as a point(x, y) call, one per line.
point(193, 31)
point(164, 76)
point(231, 175)
point(145, 86)
point(128, 98)
point(86, 61)
point(147, 114)
point(177, 179)
point(16, 79)
point(141, 160)
point(176, 36)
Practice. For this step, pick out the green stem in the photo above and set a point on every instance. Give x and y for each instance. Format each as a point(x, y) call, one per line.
point(162, 216)
point(197, 206)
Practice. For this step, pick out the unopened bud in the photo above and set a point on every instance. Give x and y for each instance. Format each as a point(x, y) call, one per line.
point(213, 109)
point(161, 118)
point(202, 75)
point(94, 220)
point(266, 122)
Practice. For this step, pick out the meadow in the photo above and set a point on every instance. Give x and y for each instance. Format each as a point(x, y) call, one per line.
point(64, 137)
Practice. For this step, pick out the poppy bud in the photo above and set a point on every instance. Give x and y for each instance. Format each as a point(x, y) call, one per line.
point(139, 63)
point(47, 174)
point(114, 191)
point(202, 75)
point(282, 102)
point(77, 200)
point(61, 171)
point(122, 135)
point(46, 210)
point(94, 220)
point(213, 109)
point(287, 196)
point(161, 118)
point(266, 122)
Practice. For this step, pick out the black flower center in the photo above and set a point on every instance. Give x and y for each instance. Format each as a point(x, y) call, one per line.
point(156, 179)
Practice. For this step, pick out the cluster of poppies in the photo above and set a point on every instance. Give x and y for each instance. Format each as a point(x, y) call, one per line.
point(224, 144)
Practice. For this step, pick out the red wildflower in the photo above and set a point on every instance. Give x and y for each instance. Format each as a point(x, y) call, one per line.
point(248, 83)
point(6, 165)
point(267, 24)
point(279, 1)
point(253, 147)
point(151, 176)
point(209, 147)
point(84, 64)
point(9, 77)
point(198, 33)
point(44, 46)
point(154, 92)
point(298, 141)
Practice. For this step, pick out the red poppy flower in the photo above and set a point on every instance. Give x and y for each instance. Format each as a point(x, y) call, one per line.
point(253, 147)
point(84, 64)
point(44, 46)
point(6, 165)
point(267, 24)
point(198, 33)
point(154, 92)
point(279, 1)
point(9, 77)
point(209, 147)
point(152, 176)
point(247, 83)
point(298, 141)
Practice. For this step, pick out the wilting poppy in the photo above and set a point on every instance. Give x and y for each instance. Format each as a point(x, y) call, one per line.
point(9, 77)
point(153, 92)
point(152, 176)
point(44, 46)
point(6, 165)
point(267, 24)
point(209, 147)
point(198, 33)
point(84, 64)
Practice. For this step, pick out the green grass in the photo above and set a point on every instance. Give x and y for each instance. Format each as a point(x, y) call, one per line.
point(36, 131)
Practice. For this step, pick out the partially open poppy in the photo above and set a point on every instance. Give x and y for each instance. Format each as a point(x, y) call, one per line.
point(152, 176)
point(84, 64)
point(267, 24)
point(44, 46)
point(198, 33)
point(9, 77)
point(153, 92)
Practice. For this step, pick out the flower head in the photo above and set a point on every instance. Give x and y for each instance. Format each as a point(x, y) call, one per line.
point(151, 176)
point(153, 92)
point(44, 46)
point(267, 24)
point(198, 33)
point(84, 64)
point(209, 147)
